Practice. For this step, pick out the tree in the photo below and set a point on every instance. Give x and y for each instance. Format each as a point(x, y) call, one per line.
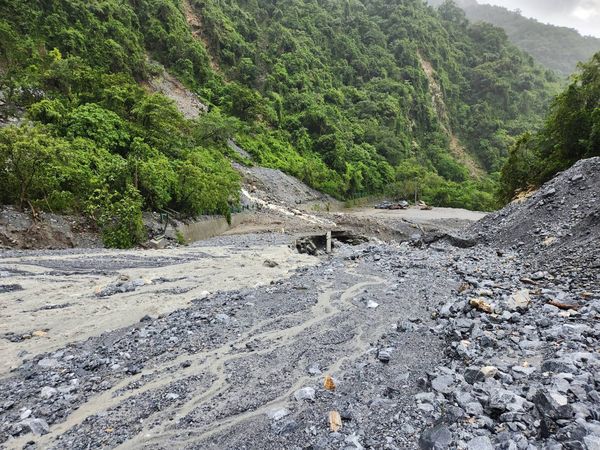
point(215, 127)
point(25, 154)
point(100, 125)
point(153, 175)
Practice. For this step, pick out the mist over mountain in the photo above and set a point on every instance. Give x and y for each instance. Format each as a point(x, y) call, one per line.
point(558, 48)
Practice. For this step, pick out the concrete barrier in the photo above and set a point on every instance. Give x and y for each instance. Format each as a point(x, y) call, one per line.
point(209, 227)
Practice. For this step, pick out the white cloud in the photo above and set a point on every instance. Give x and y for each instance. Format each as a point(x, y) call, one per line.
point(583, 15)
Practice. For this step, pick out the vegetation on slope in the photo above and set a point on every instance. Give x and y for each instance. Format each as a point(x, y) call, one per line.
point(558, 48)
point(571, 132)
point(332, 92)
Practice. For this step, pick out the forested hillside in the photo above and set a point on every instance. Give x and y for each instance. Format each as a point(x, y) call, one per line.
point(352, 97)
point(558, 48)
point(571, 132)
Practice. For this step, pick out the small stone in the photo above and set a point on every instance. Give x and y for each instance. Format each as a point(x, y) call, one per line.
point(223, 318)
point(481, 305)
point(425, 397)
point(521, 372)
point(47, 392)
point(133, 370)
point(335, 421)
point(500, 399)
point(426, 407)
point(329, 383)
point(306, 393)
point(519, 301)
point(436, 438)
point(384, 355)
point(314, 369)
point(480, 443)
point(407, 428)
point(489, 371)
point(25, 414)
point(372, 304)
point(270, 263)
point(406, 326)
point(443, 384)
point(277, 413)
point(36, 426)
point(473, 375)
point(556, 366)
point(474, 409)
point(553, 404)
point(354, 441)
point(172, 396)
point(157, 244)
point(592, 442)
point(48, 363)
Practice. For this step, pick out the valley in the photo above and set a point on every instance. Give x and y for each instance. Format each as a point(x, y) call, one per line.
point(433, 341)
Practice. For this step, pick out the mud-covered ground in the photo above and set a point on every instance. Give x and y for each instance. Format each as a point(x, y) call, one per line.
point(246, 368)
point(487, 343)
point(52, 298)
point(213, 374)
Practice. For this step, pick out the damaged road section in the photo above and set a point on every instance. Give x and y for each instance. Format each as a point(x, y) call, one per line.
point(377, 346)
point(430, 346)
point(76, 294)
point(253, 359)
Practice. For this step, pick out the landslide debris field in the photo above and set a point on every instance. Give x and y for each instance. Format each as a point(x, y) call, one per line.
point(490, 344)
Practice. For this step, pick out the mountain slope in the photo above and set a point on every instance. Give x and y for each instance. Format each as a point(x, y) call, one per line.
point(331, 92)
point(555, 47)
point(570, 133)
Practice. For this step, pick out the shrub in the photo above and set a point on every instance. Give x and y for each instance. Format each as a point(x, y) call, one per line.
point(119, 216)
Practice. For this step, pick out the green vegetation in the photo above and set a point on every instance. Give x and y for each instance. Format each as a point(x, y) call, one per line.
point(571, 133)
point(332, 92)
point(558, 48)
point(180, 238)
point(344, 84)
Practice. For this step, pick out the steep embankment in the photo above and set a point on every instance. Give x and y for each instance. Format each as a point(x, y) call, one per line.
point(558, 226)
point(333, 94)
point(437, 99)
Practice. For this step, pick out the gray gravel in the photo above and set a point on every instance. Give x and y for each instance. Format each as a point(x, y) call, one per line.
point(490, 346)
point(557, 228)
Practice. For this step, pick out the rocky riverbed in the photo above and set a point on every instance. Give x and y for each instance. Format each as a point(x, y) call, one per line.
point(380, 345)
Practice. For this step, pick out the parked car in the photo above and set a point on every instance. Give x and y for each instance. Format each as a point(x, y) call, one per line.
point(402, 204)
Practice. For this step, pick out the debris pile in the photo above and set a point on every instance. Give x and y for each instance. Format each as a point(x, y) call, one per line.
point(523, 367)
point(557, 228)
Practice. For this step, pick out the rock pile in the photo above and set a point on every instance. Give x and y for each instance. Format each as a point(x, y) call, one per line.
point(558, 227)
point(523, 367)
point(522, 373)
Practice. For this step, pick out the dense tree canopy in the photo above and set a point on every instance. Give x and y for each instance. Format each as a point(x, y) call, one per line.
point(571, 132)
point(557, 48)
point(353, 97)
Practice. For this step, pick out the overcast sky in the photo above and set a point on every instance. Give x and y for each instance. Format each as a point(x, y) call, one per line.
point(583, 15)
